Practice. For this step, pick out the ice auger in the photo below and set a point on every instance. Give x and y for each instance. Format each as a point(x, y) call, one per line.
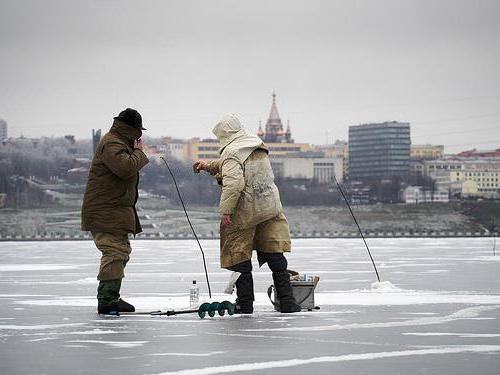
point(205, 308)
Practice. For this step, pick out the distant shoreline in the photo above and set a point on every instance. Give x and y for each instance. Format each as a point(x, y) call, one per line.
point(155, 237)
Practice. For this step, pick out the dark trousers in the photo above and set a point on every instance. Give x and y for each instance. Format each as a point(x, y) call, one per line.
point(275, 261)
point(244, 285)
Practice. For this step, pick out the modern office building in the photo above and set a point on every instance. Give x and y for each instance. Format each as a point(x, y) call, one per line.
point(379, 151)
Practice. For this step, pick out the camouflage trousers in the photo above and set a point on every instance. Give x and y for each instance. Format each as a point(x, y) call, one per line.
point(237, 244)
point(115, 251)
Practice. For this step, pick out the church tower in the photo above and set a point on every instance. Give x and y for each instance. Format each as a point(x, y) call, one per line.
point(275, 133)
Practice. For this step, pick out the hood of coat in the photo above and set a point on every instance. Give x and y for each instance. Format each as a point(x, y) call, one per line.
point(126, 131)
point(229, 130)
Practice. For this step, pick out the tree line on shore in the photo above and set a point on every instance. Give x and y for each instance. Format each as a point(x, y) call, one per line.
point(27, 167)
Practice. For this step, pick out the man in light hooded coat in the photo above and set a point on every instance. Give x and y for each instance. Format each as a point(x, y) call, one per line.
point(251, 213)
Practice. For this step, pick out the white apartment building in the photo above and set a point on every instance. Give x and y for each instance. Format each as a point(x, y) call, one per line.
point(417, 194)
point(320, 169)
point(477, 177)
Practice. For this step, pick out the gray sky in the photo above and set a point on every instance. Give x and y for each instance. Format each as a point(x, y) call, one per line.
point(69, 66)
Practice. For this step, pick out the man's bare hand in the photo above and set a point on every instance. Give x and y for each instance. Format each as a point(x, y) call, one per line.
point(226, 219)
point(138, 143)
point(199, 165)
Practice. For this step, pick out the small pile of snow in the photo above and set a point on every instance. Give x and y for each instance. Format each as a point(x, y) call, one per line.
point(385, 287)
point(35, 267)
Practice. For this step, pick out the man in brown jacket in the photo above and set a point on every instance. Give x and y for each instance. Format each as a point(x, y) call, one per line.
point(108, 209)
point(251, 213)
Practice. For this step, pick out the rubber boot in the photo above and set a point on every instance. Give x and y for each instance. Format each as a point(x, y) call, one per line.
point(285, 293)
point(244, 293)
point(108, 297)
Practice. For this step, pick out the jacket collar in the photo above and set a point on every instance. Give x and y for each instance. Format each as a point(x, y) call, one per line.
point(126, 132)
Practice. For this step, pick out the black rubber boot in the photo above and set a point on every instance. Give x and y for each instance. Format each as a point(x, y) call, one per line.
point(115, 307)
point(244, 293)
point(108, 291)
point(108, 297)
point(284, 291)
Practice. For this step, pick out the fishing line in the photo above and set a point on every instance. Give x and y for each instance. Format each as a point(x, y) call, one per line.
point(359, 228)
point(191, 225)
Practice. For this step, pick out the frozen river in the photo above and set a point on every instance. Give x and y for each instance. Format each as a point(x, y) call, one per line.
point(442, 315)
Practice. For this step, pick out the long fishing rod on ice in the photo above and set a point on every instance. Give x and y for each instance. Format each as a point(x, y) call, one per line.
point(191, 225)
point(359, 228)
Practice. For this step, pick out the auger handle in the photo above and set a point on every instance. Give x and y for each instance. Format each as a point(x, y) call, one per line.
point(173, 312)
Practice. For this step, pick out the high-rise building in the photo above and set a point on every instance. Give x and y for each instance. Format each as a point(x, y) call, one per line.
point(96, 138)
point(3, 130)
point(379, 151)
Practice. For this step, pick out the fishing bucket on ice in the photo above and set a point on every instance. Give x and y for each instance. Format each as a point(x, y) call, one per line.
point(303, 287)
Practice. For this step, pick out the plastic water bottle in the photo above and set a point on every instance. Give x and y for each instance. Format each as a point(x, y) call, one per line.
point(194, 295)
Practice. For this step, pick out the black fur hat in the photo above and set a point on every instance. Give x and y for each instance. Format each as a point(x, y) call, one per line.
point(131, 117)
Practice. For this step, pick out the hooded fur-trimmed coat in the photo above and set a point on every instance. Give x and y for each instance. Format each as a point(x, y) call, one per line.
point(249, 194)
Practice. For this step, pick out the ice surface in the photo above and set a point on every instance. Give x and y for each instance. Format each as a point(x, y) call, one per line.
point(436, 311)
point(329, 359)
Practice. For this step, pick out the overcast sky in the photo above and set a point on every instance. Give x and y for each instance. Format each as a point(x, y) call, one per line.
point(69, 66)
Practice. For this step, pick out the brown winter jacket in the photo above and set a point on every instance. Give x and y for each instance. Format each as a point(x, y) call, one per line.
point(111, 193)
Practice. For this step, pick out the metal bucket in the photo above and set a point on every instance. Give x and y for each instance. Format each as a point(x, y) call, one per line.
point(303, 292)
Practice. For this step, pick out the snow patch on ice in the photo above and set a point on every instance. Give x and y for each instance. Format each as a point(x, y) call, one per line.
point(190, 354)
point(42, 339)
point(467, 313)
point(35, 267)
point(38, 327)
point(24, 295)
point(114, 344)
point(401, 297)
point(95, 332)
point(62, 301)
point(384, 293)
point(255, 366)
point(461, 335)
point(85, 281)
point(385, 286)
point(185, 335)
point(491, 258)
point(146, 303)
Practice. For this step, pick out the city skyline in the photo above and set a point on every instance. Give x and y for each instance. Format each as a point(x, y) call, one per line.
point(70, 66)
point(274, 128)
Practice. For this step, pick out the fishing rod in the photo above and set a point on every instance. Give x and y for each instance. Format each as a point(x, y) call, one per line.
point(191, 225)
point(493, 230)
point(359, 228)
